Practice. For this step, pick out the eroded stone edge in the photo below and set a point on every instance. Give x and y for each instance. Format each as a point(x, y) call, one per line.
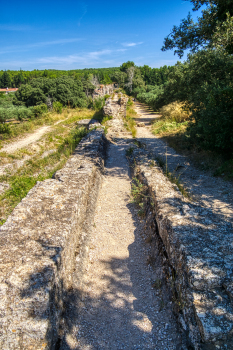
point(39, 244)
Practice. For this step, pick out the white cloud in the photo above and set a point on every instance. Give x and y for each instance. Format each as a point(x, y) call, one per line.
point(132, 44)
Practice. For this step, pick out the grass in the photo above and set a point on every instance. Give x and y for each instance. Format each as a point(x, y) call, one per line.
point(176, 180)
point(36, 169)
point(164, 127)
point(139, 196)
point(172, 128)
point(63, 139)
point(129, 121)
point(49, 119)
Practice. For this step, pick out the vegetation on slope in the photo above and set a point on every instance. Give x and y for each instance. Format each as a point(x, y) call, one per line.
point(43, 159)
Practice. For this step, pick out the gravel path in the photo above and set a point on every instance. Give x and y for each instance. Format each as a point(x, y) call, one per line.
point(119, 308)
point(209, 192)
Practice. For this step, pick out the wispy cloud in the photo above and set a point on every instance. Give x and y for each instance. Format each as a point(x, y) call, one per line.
point(20, 48)
point(86, 59)
point(132, 44)
point(84, 11)
point(15, 27)
point(89, 57)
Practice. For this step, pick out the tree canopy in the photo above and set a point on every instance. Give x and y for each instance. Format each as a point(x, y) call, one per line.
point(65, 90)
point(5, 80)
point(194, 35)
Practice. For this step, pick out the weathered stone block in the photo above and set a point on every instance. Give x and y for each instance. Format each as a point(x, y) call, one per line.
point(38, 245)
point(199, 257)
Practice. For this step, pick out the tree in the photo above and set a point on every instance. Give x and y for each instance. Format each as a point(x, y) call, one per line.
point(125, 66)
point(130, 75)
point(5, 80)
point(66, 90)
point(19, 79)
point(191, 35)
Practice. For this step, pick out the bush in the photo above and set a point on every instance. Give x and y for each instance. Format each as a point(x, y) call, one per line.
point(18, 113)
point(40, 110)
point(98, 103)
point(57, 107)
point(24, 113)
point(5, 129)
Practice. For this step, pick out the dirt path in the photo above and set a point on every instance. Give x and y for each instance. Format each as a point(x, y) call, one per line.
point(120, 309)
point(12, 147)
point(210, 192)
point(145, 115)
point(28, 139)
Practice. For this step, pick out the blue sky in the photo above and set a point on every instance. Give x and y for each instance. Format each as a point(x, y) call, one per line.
point(87, 34)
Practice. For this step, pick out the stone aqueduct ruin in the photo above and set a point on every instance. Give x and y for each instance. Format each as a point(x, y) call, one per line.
point(51, 226)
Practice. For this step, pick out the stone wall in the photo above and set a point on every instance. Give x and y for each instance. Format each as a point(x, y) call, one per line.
point(40, 242)
point(115, 107)
point(196, 257)
point(103, 90)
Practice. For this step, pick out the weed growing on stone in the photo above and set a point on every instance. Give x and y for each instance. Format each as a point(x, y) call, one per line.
point(129, 151)
point(176, 180)
point(106, 119)
point(138, 193)
point(129, 121)
point(172, 176)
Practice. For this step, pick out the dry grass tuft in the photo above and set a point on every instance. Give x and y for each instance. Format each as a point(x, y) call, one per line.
point(176, 112)
point(130, 123)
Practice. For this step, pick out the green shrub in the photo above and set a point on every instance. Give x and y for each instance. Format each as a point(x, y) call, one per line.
point(40, 110)
point(5, 129)
point(98, 103)
point(57, 106)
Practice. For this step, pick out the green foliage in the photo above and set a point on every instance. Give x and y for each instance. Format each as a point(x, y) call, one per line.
point(130, 123)
point(40, 110)
point(17, 113)
point(127, 65)
point(149, 97)
point(5, 129)
point(103, 75)
point(66, 90)
point(5, 80)
point(70, 143)
point(22, 181)
point(155, 76)
point(98, 103)
point(57, 107)
point(119, 77)
point(223, 36)
point(139, 196)
point(191, 35)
